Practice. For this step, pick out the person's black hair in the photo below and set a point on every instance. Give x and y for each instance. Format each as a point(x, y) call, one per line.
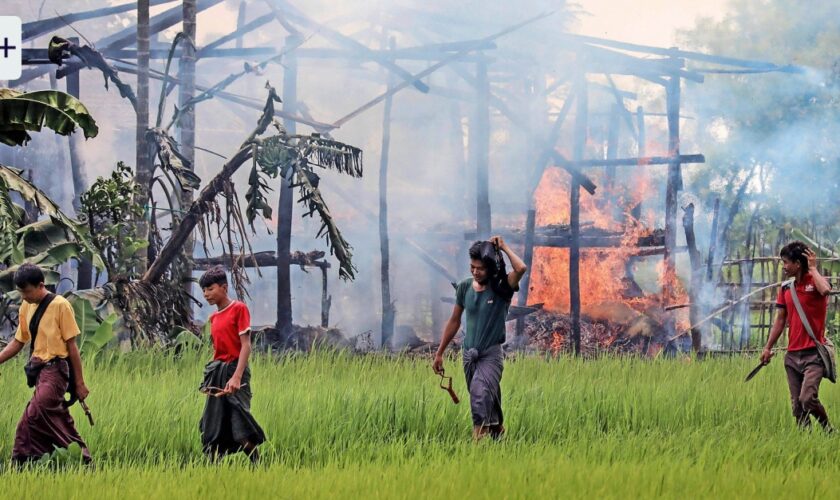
point(795, 252)
point(28, 274)
point(213, 276)
point(492, 259)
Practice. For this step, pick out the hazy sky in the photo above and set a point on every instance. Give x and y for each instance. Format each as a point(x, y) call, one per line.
point(651, 22)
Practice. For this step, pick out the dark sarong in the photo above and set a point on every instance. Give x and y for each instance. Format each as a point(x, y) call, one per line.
point(227, 423)
point(484, 375)
point(46, 423)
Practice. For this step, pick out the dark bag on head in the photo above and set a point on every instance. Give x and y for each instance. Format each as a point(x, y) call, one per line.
point(32, 369)
point(826, 351)
point(490, 254)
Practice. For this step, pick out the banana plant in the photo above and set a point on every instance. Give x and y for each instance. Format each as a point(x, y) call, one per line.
point(24, 112)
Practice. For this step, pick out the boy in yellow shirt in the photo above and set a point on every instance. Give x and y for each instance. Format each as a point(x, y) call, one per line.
point(48, 318)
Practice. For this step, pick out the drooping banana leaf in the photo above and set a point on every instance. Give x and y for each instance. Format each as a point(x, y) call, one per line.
point(311, 198)
point(11, 218)
point(42, 235)
point(93, 342)
point(21, 113)
point(14, 181)
point(824, 249)
point(332, 155)
point(255, 196)
point(98, 317)
point(171, 159)
point(165, 87)
point(46, 260)
point(7, 283)
point(54, 256)
point(60, 49)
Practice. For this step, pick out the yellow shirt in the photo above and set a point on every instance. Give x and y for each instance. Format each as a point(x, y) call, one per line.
point(58, 325)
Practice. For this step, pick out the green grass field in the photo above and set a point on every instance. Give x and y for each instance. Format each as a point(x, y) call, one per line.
point(343, 425)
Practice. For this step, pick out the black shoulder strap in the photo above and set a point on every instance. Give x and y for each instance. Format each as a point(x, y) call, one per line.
point(36, 320)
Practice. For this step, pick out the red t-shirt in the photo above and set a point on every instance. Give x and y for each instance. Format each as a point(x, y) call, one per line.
point(815, 306)
point(226, 326)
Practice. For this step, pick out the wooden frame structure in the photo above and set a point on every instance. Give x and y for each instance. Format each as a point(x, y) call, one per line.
point(665, 67)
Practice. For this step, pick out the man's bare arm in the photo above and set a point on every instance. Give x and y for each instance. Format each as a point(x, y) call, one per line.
point(76, 365)
point(775, 332)
point(822, 284)
point(11, 350)
point(453, 324)
point(235, 381)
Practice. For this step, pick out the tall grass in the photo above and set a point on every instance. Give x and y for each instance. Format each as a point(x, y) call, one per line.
point(343, 424)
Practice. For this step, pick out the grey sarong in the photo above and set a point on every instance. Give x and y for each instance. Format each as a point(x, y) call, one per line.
point(484, 375)
point(227, 423)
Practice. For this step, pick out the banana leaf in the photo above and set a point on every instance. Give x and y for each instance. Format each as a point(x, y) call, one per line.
point(14, 181)
point(93, 342)
point(42, 235)
point(60, 49)
point(21, 113)
point(7, 283)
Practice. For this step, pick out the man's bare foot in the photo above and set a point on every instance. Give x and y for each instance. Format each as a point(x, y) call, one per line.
point(480, 432)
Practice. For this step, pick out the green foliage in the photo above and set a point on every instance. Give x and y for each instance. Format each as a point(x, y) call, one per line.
point(111, 214)
point(786, 124)
point(293, 158)
point(62, 457)
point(46, 243)
point(94, 343)
point(24, 112)
point(12, 180)
point(96, 333)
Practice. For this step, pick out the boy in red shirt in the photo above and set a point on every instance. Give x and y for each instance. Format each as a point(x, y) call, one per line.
point(227, 425)
point(803, 364)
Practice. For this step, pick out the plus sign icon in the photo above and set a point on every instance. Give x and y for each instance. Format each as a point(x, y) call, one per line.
point(10, 48)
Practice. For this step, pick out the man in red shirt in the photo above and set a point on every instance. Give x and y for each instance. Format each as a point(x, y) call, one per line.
point(803, 364)
point(227, 425)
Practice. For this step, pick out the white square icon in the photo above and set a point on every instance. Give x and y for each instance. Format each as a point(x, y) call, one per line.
point(10, 48)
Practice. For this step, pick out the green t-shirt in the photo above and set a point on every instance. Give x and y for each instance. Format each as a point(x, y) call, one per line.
point(486, 312)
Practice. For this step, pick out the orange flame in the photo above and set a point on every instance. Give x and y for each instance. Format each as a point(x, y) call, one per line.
point(601, 269)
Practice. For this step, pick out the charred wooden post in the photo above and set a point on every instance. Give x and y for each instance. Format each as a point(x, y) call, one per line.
point(84, 279)
point(641, 152)
point(326, 299)
point(713, 238)
point(612, 145)
point(640, 124)
point(480, 149)
point(694, 312)
point(388, 312)
point(574, 246)
point(674, 183)
point(746, 271)
point(240, 22)
point(143, 173)
point(186, 124)
point(286, 203)
point(528, 258)
point(58, 183)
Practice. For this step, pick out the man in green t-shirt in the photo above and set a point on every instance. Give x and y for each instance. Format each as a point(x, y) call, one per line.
point(485, 297)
